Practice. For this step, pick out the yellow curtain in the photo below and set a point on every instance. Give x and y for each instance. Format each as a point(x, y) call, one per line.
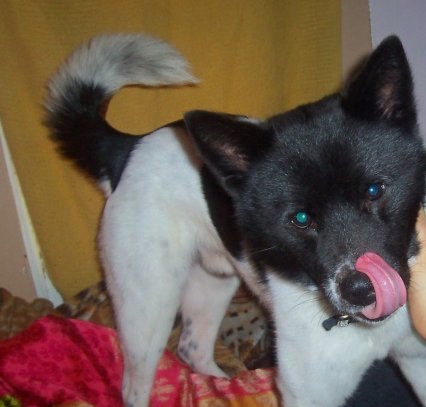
point(256, 57)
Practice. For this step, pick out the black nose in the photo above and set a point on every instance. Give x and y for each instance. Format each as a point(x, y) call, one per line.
point(356, 288)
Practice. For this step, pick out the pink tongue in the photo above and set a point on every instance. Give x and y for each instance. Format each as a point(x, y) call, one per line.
point(388, 285)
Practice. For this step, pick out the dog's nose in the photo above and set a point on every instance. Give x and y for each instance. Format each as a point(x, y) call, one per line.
point(356, 288)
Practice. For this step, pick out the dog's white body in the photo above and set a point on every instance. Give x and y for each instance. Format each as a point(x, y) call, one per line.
point(163, 237)
point(162, 253)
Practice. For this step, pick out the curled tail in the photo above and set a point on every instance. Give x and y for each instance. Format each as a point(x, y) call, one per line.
point(88, 79)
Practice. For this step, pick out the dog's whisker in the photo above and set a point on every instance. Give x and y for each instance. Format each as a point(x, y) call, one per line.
point(321, 317)
point(305, 302)
point(266, 249)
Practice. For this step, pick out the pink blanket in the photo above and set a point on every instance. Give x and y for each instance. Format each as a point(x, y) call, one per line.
point(59, 360)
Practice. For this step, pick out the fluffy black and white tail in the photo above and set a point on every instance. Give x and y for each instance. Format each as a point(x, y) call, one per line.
point(88, 79)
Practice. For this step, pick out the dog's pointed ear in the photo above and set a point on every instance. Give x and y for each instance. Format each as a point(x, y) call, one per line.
point(383, 89)
point(228, 144)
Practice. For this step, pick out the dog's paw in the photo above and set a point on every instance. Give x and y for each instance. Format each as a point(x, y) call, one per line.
point(134, 393)
point(200, 363)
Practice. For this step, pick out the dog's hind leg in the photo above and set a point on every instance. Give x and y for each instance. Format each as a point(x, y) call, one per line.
point(145, 320)
point(204, 305)
point(146, 275)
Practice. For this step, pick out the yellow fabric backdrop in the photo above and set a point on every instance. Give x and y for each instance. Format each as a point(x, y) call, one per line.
point(256, 57)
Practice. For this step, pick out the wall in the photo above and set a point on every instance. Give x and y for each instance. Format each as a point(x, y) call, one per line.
point(253, 57)
point(356, 34)
point(15, 273)
point(356, 43)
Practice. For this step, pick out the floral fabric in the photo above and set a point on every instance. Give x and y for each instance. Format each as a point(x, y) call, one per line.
point(58, 360)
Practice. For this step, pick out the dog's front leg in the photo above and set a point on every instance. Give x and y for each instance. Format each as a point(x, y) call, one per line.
point(316, 368)
point(205, 301)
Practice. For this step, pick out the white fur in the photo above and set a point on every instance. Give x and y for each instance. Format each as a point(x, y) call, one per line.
point(161, 253)
point(155, 238)
point(322, 368)
point(114, 61)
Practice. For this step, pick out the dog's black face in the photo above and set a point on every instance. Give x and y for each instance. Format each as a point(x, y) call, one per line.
point(328, 194)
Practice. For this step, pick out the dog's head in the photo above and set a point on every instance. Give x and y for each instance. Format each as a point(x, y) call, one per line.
point(328, 193)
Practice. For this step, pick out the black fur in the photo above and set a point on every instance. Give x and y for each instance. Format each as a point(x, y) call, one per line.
point(383, 386)
point(384, 88)
point(222, 213)
point(77, 124)
point(78, 127)
point(320, 158)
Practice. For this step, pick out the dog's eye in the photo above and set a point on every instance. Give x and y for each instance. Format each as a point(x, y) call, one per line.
point(375, 191)
point(302, 220)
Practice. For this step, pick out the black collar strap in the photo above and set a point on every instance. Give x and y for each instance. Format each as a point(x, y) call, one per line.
point(337, 320)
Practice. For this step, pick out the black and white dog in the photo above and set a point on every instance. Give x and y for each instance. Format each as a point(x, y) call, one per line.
point(315, 209)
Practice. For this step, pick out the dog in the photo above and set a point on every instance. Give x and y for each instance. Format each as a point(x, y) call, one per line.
point(314, 209)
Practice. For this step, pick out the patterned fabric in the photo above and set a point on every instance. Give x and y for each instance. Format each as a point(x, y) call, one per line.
point(17, 314)
point(60, 360)
point(245, 340)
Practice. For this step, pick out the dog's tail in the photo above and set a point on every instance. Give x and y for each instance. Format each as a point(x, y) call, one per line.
point(80, 89)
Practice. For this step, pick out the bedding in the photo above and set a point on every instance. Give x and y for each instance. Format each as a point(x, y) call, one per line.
point(70, 356)
point(43, 350)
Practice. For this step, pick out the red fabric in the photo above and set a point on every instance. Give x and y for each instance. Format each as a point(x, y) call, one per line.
point(58, 360)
